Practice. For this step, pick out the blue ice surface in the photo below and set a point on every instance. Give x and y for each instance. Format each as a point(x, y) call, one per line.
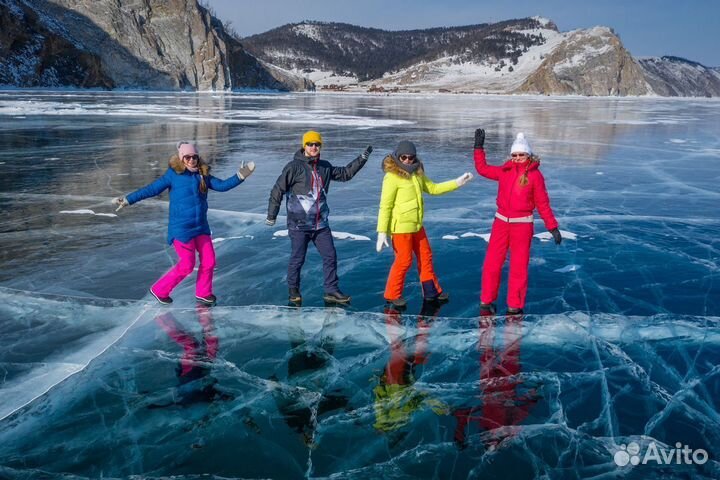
point(619, 348)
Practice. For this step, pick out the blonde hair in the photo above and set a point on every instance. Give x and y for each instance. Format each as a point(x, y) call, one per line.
point(204, 170)
point(524, 178)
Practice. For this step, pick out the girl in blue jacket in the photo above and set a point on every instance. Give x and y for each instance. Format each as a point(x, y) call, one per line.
point(188, 178)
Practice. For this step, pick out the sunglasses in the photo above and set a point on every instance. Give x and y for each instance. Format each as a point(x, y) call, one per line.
point(407, 157)
point(314, 144)
point(191, 157)
point(515, 155)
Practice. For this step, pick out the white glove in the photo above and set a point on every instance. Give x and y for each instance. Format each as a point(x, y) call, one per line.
point(382, 241)
point(463, 179)
point(120, 202)
point(245, 170)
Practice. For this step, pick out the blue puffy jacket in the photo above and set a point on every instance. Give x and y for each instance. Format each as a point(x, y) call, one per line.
point(188, 205)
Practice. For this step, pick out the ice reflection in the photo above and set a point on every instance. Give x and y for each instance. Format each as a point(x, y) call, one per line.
point(308, 392)
point(195, 382)
point(396, 396)
point(504, 399)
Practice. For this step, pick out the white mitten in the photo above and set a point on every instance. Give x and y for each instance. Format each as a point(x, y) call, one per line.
point(120, 202)
point(382, 241)
point(463, 179)
point(246, 170)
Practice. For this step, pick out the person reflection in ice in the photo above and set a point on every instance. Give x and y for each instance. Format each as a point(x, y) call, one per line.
point(396, 398)
point(504, 399)
point(196, 385)
point(306, 395)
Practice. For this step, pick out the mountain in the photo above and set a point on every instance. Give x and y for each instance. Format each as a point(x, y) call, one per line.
point(588, 62)
point(527, 55)
point(674, 76)
point(180, 45)
point(151, 44)
point(368, 53)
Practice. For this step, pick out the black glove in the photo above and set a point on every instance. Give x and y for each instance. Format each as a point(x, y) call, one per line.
point(479, 138)
point(556, 235)
point(367, 152)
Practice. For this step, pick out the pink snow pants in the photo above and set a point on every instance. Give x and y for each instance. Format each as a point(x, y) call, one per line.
point(186, 251)
point(517, 238)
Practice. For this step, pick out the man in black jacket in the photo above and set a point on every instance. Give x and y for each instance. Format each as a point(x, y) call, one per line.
point(305, 182)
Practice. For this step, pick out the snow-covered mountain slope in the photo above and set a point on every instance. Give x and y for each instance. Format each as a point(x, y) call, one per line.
point(501, 74)
point(340, 53)
point(515, 56)
point(674, 76)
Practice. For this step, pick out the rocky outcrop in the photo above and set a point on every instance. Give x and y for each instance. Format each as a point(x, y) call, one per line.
point(33, 55)
point(147, 44)
point(588, 62)
point(678, 77)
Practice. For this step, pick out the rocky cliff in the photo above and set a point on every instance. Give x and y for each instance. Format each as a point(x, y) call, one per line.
point(155, 44)
point(36, 53)
point(588, 62)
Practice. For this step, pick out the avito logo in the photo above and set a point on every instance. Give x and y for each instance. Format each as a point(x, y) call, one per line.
point(680, 455)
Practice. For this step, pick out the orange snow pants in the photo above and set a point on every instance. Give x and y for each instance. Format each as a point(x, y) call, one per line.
point(404, 245)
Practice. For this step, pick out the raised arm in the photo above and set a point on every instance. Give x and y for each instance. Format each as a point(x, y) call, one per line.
point(485, 170)
point(218, 185)
point(343, 174)
point(151, 190)
point(244, 171)
point(432, 188)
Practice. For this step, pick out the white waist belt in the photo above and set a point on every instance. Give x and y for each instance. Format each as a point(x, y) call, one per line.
point(528, 219)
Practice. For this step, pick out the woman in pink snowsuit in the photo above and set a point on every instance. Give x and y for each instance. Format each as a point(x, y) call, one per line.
point(521, 190)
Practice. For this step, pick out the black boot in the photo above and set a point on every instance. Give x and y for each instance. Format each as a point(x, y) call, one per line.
point(443, 297)
point(294, 296)
point(163, 300)
point(397, 303)
point(514, 311)
point(207, 300)
point(487, 309)
point(336, 297)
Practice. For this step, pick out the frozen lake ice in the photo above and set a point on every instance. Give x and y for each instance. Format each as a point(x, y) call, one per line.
point(619, 349)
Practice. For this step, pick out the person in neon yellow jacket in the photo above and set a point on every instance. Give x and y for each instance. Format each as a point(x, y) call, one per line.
point(401, 215)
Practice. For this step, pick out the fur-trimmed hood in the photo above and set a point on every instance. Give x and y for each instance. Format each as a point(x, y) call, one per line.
point(179, 167)
point(389, 165)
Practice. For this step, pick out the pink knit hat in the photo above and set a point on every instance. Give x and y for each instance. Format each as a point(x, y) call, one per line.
point(186, 148)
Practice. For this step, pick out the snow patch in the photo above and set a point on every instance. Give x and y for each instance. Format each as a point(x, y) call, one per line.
point(580, 58)
point(308, 30)
point(222, 239)
point(85, 211)
point(338, 235)
point(568, 268)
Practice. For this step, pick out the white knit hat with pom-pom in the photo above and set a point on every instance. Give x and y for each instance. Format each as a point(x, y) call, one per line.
point(521, 145)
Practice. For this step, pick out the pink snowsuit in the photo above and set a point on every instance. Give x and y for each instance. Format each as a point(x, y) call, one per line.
point(513, 226)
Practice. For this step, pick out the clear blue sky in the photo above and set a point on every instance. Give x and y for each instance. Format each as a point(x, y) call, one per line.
point(685, 28)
